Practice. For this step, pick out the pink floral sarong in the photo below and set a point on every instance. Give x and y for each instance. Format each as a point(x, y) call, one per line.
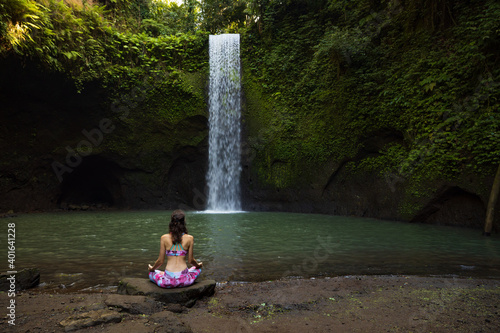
point(166, 279)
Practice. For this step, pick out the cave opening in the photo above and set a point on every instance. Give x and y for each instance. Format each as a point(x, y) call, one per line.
point(453, 205)
point(95, 182)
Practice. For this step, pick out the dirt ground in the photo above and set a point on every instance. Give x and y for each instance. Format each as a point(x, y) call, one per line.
point(337, 304)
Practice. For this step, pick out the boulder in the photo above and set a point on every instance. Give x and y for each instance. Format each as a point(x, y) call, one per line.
point(89, 319)
point(10, 213)
point(186, 296)
point(24, 279)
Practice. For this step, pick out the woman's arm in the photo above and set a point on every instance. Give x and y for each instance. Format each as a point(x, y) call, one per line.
point(161, 256)
point(191, 258)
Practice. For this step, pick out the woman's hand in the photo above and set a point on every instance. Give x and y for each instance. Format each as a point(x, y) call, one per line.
point(200, 265)
point(150, 268)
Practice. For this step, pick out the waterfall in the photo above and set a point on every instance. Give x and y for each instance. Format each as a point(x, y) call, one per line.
point(224, 103)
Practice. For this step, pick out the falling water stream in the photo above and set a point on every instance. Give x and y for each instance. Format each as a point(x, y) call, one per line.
point(224, 165)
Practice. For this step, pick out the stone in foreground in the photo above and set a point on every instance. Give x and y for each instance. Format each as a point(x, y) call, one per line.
point(186, 296)
point(24, 279)
point(89, 319)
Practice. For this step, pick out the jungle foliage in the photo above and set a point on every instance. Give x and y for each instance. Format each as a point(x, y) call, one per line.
point(333, 77)
point(91, 42)
point(323, 79)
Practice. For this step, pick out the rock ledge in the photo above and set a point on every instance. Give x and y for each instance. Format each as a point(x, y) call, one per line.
point(89, 319)
point(186, 296)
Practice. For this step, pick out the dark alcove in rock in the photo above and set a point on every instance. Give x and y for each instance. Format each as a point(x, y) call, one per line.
point(453, 206)
point(186, 179)
point(94, 182)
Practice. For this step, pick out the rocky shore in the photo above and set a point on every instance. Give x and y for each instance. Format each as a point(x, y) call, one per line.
point(336, 304)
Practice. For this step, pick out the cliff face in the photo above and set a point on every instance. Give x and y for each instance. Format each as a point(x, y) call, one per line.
point(339, 192)
point(63, 149)
point(333, 188)
point(67, 150)
point(359, 184)
point(380, 110)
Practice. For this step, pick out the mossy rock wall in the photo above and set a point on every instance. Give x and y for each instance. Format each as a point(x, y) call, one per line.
point(379, 109)
point(140, 148)
point(343, 186)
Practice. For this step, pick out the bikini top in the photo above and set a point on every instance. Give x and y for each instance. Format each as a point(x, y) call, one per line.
point(176, 251)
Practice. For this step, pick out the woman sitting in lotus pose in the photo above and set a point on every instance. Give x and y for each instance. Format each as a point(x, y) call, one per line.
point(176, 245)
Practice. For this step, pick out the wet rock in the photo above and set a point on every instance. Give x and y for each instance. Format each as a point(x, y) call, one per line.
point(89, 319)
point(134, 304)
point(186, 296)
point(452, 205)
point(169, 322)
point(176, 308)
point(24, 279)
point(10, 213)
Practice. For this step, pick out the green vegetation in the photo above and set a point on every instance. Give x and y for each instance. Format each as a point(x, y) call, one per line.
point(115, 45)
point(322, 78)
point(331, 76)
point(150, 64)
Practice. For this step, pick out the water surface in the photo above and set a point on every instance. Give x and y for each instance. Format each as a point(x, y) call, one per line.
point(95, 249)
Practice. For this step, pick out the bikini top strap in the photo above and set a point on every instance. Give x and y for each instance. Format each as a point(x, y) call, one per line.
point(177, 247)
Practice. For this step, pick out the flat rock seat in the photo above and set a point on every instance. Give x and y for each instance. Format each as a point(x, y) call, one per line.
point(185, 296)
